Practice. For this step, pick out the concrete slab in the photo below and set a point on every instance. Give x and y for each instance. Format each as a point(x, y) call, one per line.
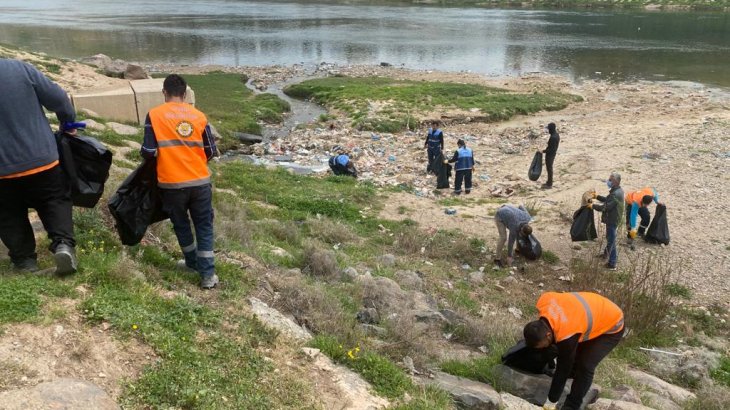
point(148, 94)
point(116, 103)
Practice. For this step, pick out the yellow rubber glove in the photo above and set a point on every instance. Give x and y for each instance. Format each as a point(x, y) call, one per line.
point(632, 234)
point(550, 405)
point(594, 194)
point(589, 205)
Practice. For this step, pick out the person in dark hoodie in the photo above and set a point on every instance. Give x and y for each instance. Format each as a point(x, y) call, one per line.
point(611, 209)
point(550, 153)
point(30, 174)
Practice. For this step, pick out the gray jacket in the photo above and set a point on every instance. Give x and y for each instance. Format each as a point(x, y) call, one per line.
point(512, 218)
point(613, 206)
point(26, 139)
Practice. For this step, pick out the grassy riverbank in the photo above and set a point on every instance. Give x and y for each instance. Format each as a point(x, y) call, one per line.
point(389, 105)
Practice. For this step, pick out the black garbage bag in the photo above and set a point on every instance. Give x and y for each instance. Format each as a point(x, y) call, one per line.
point(584, 225)
point(529, 247)
point(535, 167)
point(137, 203)
point(86, 163)
point(658, 231)
point(531, 360)
point(443, 172)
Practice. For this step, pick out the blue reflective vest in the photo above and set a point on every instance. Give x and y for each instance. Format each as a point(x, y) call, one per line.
point(465, 159)
point(434, 139)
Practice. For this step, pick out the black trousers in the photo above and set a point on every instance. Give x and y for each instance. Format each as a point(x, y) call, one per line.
point(433, 153)
point(587, 357)
point(549, 161)
point(464, 176)
point(47, 192)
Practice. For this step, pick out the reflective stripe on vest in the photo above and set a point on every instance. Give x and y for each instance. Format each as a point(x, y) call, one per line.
point(181, 160)
point(434, 141)
point(588, 314)
point(465, 159)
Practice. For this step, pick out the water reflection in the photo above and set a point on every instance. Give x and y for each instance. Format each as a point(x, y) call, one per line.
point(687, 46)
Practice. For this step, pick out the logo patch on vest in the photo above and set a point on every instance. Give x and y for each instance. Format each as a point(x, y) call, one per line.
point(184, 129)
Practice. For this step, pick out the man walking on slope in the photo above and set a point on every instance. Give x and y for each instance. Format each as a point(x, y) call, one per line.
point(550, 152)
point(30, 175)
point(464, 159)
point(611, 210)
point(585, 327)
point(179, 137)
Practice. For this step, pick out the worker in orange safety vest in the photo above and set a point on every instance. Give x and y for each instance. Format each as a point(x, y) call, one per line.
point(178, 136)
point(585, 327)
point(637, 204)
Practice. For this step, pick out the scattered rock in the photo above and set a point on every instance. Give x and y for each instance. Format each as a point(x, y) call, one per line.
point(248, 138)
point(98, 60)
point(467, 393)
point(368, 316)
point(134, 72)
point(275, 319)
point(510, 402)
point(372, 330)
point(509, 280)
point(354, 392)
point(123, 129)
point(516, 312)
point(625, 393)
point(409, 280)
point(534, 387)
point(659, 402)
point(350, 273)
point(89, 112)
point(387, 259)
point(659, 386)
point(93, 125)
point(608, 404)
point(693, 366)
point(281, 253)
point(67, 394)
point(311, 352)
point(476, 278)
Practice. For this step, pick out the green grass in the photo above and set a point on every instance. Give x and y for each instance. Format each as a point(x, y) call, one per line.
point(231, 107)
point(678, 290)
point(299, 197)
point(46, 66)
point(721, 374)
point(405, 98)
point(22, 297)
point(386, 378)
point(550, 257)
point(479, 369)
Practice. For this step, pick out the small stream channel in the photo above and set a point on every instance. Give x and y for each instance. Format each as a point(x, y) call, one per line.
point(302, 112)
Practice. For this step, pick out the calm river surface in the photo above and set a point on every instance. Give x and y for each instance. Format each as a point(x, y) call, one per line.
point(597, 44)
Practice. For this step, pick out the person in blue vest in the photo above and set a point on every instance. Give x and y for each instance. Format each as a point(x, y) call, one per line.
point(342, 165)
point(434, 145)
point(464, 159)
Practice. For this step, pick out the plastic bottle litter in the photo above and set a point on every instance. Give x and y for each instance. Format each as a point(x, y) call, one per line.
point(391, 158)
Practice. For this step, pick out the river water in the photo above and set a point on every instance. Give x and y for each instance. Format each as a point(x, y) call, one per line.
point(615, 45)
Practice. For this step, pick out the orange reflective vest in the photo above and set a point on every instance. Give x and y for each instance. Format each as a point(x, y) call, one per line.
point(585, 313)
point(181, 160)
point(636, 196)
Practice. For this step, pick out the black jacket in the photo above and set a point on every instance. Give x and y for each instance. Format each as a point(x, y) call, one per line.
point(552, 147)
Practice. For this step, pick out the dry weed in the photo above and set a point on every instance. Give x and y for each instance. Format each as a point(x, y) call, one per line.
point(330, 232)
point(320, 262)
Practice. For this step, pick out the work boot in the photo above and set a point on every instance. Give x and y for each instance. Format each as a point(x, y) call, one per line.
point(65, 257)
point(468, 191)
point(26, 265)
point(610, 267)
point(209, 282)
point(182, 265)
point(546, 186)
